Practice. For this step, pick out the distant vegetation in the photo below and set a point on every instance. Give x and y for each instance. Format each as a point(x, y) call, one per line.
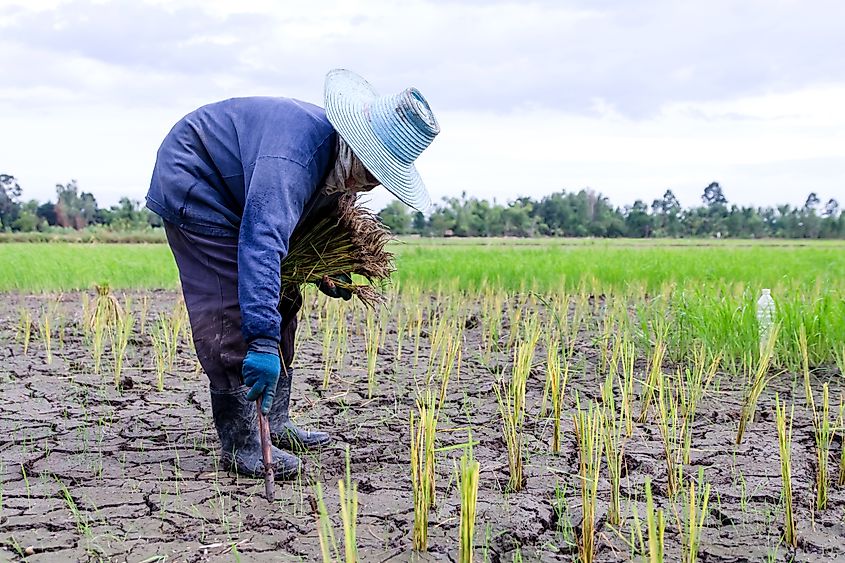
point(72, 210)
point(75, 215)
point(588, 214)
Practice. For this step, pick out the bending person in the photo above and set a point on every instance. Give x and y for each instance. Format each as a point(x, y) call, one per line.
point(232, 181)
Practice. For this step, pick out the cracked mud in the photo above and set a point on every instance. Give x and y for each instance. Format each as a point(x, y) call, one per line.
point(89, 472)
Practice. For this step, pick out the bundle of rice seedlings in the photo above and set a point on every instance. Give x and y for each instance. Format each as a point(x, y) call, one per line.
point(106, 309)
point(352, 240)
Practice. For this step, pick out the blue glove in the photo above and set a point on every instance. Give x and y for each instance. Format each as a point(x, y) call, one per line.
point(261, 373)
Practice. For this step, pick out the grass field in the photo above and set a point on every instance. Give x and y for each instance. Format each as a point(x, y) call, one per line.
point(506, 264)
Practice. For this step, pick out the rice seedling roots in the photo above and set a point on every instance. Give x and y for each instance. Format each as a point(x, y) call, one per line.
point(90, 471)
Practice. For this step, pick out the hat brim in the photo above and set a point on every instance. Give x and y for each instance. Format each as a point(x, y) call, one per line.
point(347, 97)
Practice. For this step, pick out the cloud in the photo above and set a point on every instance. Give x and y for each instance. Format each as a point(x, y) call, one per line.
point(490, 56)
point(628, 98)
point(136, 35)
point(140, 53)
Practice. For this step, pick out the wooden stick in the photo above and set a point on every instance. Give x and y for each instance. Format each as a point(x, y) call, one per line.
point(266, 453)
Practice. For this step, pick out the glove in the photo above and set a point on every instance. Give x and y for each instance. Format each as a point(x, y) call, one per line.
point(328, 286)
point(261, 371)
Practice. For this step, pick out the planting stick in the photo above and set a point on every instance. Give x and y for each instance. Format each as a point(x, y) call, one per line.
point(266, 453)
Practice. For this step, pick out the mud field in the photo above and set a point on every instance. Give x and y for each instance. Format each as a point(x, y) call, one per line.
point(92, 473)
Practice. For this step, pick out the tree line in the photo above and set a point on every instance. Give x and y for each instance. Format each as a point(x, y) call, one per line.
point(589, 214)
point(564, 214)
point(72, 209)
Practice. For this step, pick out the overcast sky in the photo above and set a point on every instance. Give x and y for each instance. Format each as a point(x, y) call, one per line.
point(628, 98)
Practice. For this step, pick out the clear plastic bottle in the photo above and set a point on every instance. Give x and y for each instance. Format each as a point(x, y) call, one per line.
point(765, 316)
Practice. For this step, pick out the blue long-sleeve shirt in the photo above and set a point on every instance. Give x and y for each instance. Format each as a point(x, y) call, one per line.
point(245, 168)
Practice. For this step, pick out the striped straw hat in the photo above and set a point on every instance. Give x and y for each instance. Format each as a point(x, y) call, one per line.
point(387, 133)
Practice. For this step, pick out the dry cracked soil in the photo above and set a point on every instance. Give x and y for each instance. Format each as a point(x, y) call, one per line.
point(90, 473)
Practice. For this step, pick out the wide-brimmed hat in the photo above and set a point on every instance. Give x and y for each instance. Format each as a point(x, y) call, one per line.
point(387, 133)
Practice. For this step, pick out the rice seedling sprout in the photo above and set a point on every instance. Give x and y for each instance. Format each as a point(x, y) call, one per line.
point(656, 526)
point(613, 432)
point(469, 471)
point(823, 432)
point(557, 382)
point(120, 336)
point(372, 343)
point(653, 377)
point(784, 428)
point(805, 364)
point(695, 513)
point(588, 434)
point(673, 428)
point(422, 430)
point(759, 379)
point(328, 545)
point(511, 399)
point(24, 328)
point(348, 494)
point(46, 336)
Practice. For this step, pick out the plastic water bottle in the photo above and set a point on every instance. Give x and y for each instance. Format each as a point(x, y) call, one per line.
point(765, 316)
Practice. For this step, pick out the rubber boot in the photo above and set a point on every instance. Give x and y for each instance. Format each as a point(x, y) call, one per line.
point(236, 421)
point(284, 433)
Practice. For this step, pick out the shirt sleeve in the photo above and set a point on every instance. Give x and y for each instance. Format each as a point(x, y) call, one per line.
point(276, 196)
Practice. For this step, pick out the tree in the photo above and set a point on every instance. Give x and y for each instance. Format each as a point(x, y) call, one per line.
point(442, 220)
point(668, 210)
point(10, 193)
point(831, 208)
point(833, 224)
point(127, 215)
point(419, 222)
point(786, 223)
point(87, 210)
point(518, 218)
point(396, 217)
point(637, 220)
point(74, 209)
point(47, 212)
point(810, 222)
point(713, 195)
point(586, 213)
point(28, 219)
point(716, 214)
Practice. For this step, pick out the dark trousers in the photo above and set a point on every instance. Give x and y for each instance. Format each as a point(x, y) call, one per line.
point(208, 270)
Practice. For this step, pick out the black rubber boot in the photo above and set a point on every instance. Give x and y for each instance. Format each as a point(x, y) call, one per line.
point(284, 433)
point(235, 418)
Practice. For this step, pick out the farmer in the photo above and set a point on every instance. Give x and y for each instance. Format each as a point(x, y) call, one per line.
point(232, 181)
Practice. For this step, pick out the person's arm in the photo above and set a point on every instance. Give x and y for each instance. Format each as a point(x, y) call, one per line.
point(277, 192)
point(276, 195)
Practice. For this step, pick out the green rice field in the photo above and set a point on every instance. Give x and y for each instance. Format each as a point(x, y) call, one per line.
point(705, 290)
point(506, 264)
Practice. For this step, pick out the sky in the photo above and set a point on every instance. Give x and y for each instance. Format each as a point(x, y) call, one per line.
point(627, 98)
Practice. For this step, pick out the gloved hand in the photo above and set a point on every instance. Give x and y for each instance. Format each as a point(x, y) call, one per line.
point(261, 371)
point(327, 285)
